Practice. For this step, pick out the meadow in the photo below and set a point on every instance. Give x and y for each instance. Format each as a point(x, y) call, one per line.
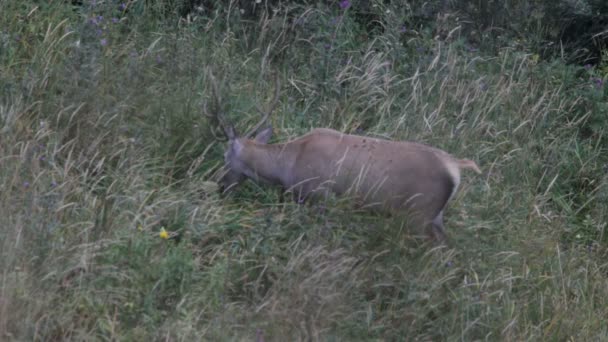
point(112, 228)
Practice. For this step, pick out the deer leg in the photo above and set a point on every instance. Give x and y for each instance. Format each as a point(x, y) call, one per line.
point(297, 197)
point(300, 196)
point(282, 192)
point(437, 229)
point(305, 193)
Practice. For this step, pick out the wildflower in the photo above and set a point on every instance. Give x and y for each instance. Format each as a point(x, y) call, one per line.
point(103, 42)
point(42, 158)
point(402, 29)
point(26, 184)
point(588, 66)
point(53, 184)
point(122, 6)
point(140, 228)
point(344, 4)
point(578, 236)
point(99, 32)
point(259, 335)
point(163, 233)
point(115, 20)
point(535, 58)
point(599, 82)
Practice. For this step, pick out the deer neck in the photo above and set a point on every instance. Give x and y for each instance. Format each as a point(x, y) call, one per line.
point(266, 163)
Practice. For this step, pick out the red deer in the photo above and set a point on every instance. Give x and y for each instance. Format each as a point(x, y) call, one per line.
point(380, 174)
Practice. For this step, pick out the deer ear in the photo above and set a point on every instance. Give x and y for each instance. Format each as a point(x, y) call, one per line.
point(236, 146)
point(264, 135)
point(230, 132)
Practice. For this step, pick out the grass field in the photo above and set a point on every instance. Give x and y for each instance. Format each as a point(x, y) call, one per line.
point(103, 145)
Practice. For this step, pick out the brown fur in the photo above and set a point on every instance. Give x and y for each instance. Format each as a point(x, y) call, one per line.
point(380, 174)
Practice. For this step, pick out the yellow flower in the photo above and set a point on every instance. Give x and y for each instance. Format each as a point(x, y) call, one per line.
point(163, 233)
point(140, 228)
point(535, 58)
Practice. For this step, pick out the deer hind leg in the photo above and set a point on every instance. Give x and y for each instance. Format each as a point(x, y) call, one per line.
point(299, 197)
point(437, 230)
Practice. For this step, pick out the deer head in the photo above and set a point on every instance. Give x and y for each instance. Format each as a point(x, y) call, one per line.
point(234, 170)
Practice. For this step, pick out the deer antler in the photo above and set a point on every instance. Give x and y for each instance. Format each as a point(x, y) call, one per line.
point(216, 113)
point(271, 107)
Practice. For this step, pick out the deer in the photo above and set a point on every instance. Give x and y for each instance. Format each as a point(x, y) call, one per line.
point(380, 174)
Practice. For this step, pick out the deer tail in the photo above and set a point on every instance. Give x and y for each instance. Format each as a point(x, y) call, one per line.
point(468, 164)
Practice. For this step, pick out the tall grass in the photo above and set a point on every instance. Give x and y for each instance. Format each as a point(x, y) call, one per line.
point(104, 143)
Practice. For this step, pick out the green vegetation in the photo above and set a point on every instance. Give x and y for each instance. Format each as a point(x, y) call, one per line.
point(103, 144)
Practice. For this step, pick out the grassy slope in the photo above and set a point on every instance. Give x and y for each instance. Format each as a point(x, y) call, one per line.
point(103, 143)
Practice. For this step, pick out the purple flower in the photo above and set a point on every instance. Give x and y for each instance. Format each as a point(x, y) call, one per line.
point(599, 82)
point(327, 46)
point(122, 6)
point(26, 184)
point(115, 20)
point(100, 18)
point(103, 42)
point(344, 4)
point(588, 66)
point(99, 32)
point(42, 158)
point(483, 86)
point(403, 29)
point(53, 184)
